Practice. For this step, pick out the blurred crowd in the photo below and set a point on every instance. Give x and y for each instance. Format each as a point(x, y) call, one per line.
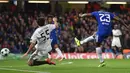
point(17, 28)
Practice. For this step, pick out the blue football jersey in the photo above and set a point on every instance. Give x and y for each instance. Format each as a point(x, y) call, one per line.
point(55, 33)
point(104, 22)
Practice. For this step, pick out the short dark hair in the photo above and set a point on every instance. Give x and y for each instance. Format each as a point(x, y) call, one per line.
point(104, 9)
point(41, 21)
point(50, 16)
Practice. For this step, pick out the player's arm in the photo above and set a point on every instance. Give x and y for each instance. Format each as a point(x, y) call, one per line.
point(29, 50)
point(85, 14)
point(30, 47)
point(55, 22)
point(53, 26)
point(120, 20)
point(32, 43)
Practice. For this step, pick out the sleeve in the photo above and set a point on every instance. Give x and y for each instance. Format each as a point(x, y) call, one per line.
point(94, 13)
point(51, 26)
point(34, 37)
point(112, 15)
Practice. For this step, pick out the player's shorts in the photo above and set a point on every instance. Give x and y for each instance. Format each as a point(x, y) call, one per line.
point(38, 55)
point(54, 41)
point(101, 37)
point(116, 42)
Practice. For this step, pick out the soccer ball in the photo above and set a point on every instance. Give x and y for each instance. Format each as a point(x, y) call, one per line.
point(4, 52)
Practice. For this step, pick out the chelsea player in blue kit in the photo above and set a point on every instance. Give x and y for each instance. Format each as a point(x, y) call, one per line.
point(54, 36)
point(104, 30)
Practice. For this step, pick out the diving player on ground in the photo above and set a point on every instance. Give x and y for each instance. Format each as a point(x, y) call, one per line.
point(104, 29)
point(41, 36)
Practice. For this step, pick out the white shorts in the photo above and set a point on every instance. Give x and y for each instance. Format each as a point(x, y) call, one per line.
point(38, 55)
point(116, 42)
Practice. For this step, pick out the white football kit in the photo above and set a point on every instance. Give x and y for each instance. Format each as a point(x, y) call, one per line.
point(116, 39)
point(41, 36)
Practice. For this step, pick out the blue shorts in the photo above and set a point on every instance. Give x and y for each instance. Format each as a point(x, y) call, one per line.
point(54, 41)
point(100, 37)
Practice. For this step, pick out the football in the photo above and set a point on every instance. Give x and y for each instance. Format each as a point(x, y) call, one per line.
point(4, 52)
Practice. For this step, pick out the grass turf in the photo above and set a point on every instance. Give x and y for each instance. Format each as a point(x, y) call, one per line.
point(66, 66)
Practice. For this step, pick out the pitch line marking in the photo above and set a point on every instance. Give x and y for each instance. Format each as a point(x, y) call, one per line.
point(66, 63)
point(23, 70)
point(13, 66)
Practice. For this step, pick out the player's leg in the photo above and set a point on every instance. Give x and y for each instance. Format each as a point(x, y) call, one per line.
point(99, 40)
point(120, 50)
point(37, 63)
point(48, 59)
point(49, 56)
point(59, 52)
point(99, 54)
point(116, 46)
point(115, 51)
point(119, 46)
point(90, 38)
point(78, 42)
point(34, 60)
point(54, 44)
point(113, 44)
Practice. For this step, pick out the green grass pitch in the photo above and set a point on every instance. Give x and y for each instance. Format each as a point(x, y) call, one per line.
point(66, 66)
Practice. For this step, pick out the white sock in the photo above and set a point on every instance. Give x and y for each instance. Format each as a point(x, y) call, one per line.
point(99, 54)
point(87, 40)
point(49, 56)
point(59, 52)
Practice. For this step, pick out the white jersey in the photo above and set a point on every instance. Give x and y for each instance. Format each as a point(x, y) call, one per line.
point(116, 33)
point(42, 37)
point(116, 39)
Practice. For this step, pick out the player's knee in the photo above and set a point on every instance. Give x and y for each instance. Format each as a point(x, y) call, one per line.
point(30, 63)
point(55, 46)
